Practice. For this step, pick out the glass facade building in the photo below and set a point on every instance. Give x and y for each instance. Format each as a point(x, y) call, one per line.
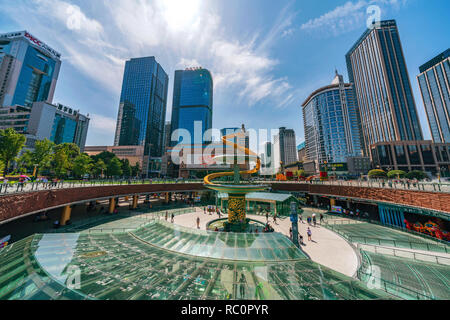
point(29, 70)
point(192, 104)
point(377, 69)
point(434, 83)
point(143, 104)
point(331, 122)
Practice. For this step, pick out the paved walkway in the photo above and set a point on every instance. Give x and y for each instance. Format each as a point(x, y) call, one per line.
point(327, 248)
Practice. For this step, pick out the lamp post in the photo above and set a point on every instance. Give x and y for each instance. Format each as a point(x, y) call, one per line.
point(294, 220)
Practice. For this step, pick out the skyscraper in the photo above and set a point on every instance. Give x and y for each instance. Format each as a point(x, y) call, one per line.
point(331, 121)
point(142, 109)
point(377, 69)
point(434, 82)
point(192, 102)
point(29, 70)
point(284, 148)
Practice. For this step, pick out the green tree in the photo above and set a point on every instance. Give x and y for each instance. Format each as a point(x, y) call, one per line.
point(11, 143)
point(42, 155)
point(61, 163)
point(416, 174)
point(25, 161)
point(300, 173)
point(82, 165)
point(136, 169)
point(396, 174)
point(377, 173)
point(105, 156)
point(126, 168)
point(99, 168)
point(63, 158)
point(114, 168)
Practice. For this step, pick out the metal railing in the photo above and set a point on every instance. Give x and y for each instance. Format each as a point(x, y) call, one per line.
point(395, 289)
point(417, 256)
point(352, 220)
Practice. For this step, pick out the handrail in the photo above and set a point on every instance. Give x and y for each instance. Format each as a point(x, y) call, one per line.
point(413, 255)
point(396, 243)
point(367, 262)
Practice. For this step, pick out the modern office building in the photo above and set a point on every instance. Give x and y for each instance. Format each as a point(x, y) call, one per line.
point(192, 104)
point(167, 138)
point(427, 156)
point(284, 148)
point(29, 69)
point(377, 69)
point(331, 123)
point(301, 151)
point(142, 109)
point(434, 83)
point(268, 160)
point(57, 123)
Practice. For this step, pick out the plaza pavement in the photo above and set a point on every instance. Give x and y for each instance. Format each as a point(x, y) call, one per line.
point(326, 248)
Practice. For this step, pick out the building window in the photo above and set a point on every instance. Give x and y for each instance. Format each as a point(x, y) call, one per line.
point(414, 157)
point(427, 154)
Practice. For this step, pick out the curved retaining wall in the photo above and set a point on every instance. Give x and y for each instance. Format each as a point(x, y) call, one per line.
point(16, 205)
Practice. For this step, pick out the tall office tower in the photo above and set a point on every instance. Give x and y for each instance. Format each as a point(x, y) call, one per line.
point(167, 132)
point(142, 109)
point(29, 70)
point(285, 147)
point(331, 121)
point(377, 69)
point(192, 102)
point(434, 82)
point(268, 160)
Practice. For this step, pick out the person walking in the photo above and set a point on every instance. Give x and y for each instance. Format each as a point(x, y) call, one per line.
point(300, 238)
point(314, 220)
point(309, 234)
point(275, 218)
point(172, 218)
point(290, 233)
point(167, 215)
point(198, 222)
point(309, 220)
point(267, 217)
point(321, 218)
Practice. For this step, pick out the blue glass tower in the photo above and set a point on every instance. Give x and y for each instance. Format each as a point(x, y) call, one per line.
point(192, 102)
point(143, 103)
point(331, 121)
point(434, 82)
point(29, 70)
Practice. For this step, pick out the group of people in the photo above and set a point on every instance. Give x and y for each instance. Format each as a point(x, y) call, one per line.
point(300, 237)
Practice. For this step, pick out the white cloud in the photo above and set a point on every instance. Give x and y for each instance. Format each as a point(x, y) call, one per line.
point(178, 33)
point(102, 123)
point(348, 17)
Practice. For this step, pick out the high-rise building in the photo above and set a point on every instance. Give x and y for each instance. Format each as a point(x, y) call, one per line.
point(377, 69)
point(29, 70)
point(167, 133)
point(331, 122)
point(142, 109)
point(284, 148)
point(434, 82)
point(268, 160)
point(192, 104)
point(57, 123)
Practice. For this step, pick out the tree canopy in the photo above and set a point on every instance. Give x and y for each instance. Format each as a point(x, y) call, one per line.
point(11, 143)
point(377, 173)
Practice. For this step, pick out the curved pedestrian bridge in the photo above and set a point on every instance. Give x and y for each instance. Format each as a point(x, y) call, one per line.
point(163, 261)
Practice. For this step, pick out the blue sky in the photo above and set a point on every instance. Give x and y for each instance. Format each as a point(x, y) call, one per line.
point(266, 56)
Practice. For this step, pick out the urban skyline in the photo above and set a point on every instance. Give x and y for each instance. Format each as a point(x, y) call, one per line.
point(286, 31)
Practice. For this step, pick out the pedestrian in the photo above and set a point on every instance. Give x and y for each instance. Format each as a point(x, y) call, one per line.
point(172, 218)
point(275, 218)
point(301, 218)
point(290, 233)
point(321, 218)
point(300, 238)
point(314, 220)
point(309, 234)
point(309, 220)
point(198, 222)
point(167, 215)
point(267, 217)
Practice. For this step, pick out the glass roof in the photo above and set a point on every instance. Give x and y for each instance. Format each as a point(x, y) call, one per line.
point(121, 266)
point(219, 245)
